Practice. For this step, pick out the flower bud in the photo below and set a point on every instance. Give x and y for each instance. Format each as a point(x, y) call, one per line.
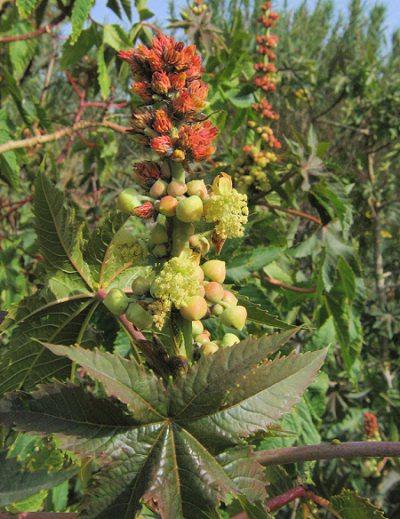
point(217, 309)
point(195, 310)
point(116, 301)
point(197, 328)
point(160, 251)
point(209, 348)
point(202, 338)
point(168, 205)
point(190, 209)
point(141, 285)
point(197, 187)
point(137, 315)
point(234, 316)
point(159, 235)
point(214, 270)
point(229, 339)
point(158, 189)
point(176, 188)
point(214, 292)
point(127, 200)
point(229, 298)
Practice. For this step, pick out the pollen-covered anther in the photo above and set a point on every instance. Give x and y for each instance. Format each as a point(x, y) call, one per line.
point(226, 208)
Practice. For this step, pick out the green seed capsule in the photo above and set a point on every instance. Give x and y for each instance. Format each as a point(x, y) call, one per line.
point(127, 200)
point(137, 315)
point(141, 285)
point(197, 328)
point(209, 348)
point(190, 209)
point(234, 316)
point(214, 270)
point(229, 339)
point(116, 301)
point(195, 310)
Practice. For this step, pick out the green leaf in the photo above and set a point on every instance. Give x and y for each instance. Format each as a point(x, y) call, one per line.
point(350, 505)
point(24, 362)
point(9, 169)
point(80, 12)
point(171, 457)
point(260, 398)
point(17, 484)
point(25, 7)
point(242, 266)
point(115, 37)
point(258, 315)
point(102, 73)
point(60, 235)
point(72, 54)
point(209, 382)
point(124, 379)
point(21, 52)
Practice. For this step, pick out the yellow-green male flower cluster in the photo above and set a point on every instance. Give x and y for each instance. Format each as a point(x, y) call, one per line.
point(226, 208)
point(178, 280)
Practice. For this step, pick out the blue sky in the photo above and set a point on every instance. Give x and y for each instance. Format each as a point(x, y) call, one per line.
point(160, 7)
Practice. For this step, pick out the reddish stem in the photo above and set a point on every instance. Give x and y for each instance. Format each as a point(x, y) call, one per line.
point(287, 497)
point(292, 288)
point(294, 212)
point(34, 34)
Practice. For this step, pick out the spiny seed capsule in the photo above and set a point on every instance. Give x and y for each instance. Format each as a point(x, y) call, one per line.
point(214, 270)
point(229, 339)
point(214, 291)
point(198, 188)
point(190, 209)
point(128, 200)
point(176, 188)
point(195, 310)
point(137, 315)
point(158, 189)
point(229, 298)
point(234, 316)
point(197, 328)
point(159, 235)
point(141, 285)
point(209, 348)
point(168, 205)
point(116, 301)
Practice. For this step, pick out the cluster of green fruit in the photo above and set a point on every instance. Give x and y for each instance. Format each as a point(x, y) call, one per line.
point(213, 300)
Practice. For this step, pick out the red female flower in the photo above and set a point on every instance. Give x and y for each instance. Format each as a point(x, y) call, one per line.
point(146, 173)
point(371, 425)
point(160, 83)
point(191, 99)
point(198, 138)
point(162, 144)
point(143, 90)
point(162, 123)
point(144, 211)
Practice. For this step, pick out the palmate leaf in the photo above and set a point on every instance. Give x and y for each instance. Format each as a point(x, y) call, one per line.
point(63, 311)
point(350, 505)
point(24, 362)
point(16, 484)
point(181, 458)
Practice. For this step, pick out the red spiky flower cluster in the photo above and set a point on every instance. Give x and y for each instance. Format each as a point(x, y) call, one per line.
point(371, 425)
point(167, 80)
point(266, 69)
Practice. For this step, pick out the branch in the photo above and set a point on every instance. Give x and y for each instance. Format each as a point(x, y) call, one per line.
point(292, 288)
point(293, 212)
point(34, 34)
point(59, 134)
point(329, 451)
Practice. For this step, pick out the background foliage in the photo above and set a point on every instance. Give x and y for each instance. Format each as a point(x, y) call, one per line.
point(338, 273)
